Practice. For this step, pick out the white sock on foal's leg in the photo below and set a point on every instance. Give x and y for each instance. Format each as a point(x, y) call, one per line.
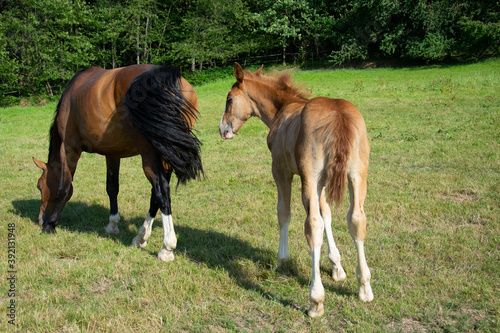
point(112, 227)
point(363, 274)
point(169, 239)
point(144, 232)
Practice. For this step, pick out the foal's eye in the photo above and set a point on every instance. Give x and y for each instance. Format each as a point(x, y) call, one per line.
point(229, 99)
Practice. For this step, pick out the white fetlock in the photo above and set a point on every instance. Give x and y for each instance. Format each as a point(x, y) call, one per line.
point(165, 255)
point(112, 227)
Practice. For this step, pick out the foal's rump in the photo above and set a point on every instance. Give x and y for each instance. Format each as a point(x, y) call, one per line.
point(333, 130)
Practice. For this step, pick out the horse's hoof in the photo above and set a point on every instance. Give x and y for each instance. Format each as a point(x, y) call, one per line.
point(165, 255)
point(136, 243)
point(112, 229)
point(316, 310)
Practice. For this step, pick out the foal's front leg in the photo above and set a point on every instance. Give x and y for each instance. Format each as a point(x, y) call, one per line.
point(283, 180)
point(112, 188)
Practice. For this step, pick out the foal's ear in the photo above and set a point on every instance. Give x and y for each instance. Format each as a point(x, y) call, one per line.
point(40, 164)
point(238, 72)
point(259, 71)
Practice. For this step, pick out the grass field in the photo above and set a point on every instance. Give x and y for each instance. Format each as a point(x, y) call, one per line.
point(433, 208)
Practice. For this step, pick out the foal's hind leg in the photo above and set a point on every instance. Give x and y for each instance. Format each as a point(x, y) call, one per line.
point(283, 180)
point(313, 229)
point(356, 221)
point(338, 273)
point(112, 188)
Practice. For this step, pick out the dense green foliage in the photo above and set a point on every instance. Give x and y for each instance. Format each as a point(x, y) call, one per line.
point(44, 42)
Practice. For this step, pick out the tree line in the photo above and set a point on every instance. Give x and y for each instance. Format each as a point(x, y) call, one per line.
point(43, 43)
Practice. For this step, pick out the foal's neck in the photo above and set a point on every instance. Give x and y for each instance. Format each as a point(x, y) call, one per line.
point(270, 102)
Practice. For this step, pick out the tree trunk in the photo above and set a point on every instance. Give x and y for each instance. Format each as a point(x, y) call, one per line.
point(284, 56)
point(138, 42)
point(193, 65)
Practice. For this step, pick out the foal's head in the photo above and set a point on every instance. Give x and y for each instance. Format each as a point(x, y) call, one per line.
point(256, 95)
point(239, 106)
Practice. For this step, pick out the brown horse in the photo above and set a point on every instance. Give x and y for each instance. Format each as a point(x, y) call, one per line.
point(324, 141)
point(141, 109)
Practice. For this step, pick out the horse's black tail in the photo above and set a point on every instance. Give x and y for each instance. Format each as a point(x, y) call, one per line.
point(160, 111)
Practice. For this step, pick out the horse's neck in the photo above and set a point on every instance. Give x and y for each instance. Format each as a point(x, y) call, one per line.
point(57, 155)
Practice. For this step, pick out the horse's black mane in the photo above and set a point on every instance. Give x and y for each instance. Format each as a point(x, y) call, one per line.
point(159, 109)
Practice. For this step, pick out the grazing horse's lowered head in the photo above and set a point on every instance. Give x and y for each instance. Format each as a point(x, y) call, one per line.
point(55, 191)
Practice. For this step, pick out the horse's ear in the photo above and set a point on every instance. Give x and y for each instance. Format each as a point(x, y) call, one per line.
point(238, 72)
point(40, 164)
point(259, 71)
point(285, 80)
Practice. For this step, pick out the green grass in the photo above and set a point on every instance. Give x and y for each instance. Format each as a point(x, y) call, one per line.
point(433, 212)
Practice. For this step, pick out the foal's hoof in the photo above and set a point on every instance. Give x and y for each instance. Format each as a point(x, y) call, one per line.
point(365, 293)
point(338, 274)
point(165, 255)
point(137, 243)
point(316, 310)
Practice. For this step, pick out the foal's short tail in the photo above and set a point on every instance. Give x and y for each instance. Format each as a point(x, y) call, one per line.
point(161, 112)
point(338, 136)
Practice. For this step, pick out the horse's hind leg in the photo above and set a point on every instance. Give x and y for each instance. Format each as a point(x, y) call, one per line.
point(356, 221)
point(338, 273)
point(283, 180)
point(112, 188)
point(140, 240)
point(169, 238)
point(160, 198)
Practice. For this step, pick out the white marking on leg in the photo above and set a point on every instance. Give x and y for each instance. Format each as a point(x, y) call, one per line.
point(363, 274)
point(338, 273)
point(112, 227)
point(283, 253)
point(317, 291)
point(140, 240)
point(169, 239)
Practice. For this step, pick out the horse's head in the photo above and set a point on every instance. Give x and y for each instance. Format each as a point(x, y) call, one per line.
point(55, 194)
point(239, 106)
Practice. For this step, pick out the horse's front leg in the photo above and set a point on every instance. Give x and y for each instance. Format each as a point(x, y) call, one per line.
point(112, 188)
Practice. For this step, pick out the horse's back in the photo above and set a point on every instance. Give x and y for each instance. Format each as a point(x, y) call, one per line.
point(92, 110)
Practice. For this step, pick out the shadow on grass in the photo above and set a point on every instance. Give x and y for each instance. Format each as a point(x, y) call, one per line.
point(250, 266)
